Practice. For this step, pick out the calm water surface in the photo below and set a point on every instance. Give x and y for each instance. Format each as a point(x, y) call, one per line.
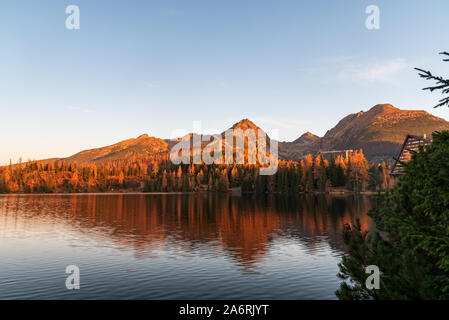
point(174, 246)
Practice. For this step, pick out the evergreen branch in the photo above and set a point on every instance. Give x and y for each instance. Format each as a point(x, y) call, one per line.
point(445, 53)
point(441, 84)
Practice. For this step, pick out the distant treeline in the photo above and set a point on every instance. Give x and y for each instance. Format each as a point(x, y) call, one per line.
point(312, 174)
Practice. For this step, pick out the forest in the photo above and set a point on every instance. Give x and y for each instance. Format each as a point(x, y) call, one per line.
point(313, 174)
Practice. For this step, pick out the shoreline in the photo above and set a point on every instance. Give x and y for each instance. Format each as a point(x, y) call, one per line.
point(335, 193)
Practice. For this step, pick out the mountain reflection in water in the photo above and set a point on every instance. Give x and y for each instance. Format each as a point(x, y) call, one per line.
point(240, 236)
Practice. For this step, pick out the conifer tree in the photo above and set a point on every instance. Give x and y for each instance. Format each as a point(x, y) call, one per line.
point(441, 84)
point(413, 256)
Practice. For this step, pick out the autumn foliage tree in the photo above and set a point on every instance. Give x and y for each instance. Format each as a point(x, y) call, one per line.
point(311, 174)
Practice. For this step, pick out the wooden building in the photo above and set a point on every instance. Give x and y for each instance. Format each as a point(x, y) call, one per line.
point(411, 143)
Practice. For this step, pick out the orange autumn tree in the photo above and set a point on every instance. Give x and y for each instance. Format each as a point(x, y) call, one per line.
point(311, 174)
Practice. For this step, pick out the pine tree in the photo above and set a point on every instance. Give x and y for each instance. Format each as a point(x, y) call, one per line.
point(164, 182)
point(223, 182)
point(121, 178)
point(74, 180)
point(200, 177)
point(185, 184)
point(413, 256)
point(155, 169)
point(441, 84)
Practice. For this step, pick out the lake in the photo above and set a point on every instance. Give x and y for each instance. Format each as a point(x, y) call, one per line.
point(174, 246)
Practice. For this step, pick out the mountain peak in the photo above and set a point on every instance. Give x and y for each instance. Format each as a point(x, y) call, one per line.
point(383, 107)
point(143, 136)
point(381, 130)
point(307, 138)
point(245, 124)
point(308, 134)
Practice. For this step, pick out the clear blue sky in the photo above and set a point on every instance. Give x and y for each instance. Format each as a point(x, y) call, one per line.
point(154, 66)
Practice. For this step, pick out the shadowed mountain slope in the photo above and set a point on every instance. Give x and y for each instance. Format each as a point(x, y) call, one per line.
point(379, 131)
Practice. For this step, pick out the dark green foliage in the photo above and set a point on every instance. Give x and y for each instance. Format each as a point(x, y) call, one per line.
point(441, 84)
point(186, 184)
point(413, 254)
point(375, 177)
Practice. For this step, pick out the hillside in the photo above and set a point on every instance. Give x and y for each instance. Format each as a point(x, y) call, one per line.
point(307, 143)
point(138, 147)
point(379, 131)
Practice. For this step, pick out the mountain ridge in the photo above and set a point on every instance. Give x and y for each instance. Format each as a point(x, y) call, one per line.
point(380, 132)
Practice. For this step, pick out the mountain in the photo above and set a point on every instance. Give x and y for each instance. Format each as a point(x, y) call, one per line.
point(146, 146)
point(306, 138)
point(247, 153)
point(239, 130)
point(138, 147)
point(245, 124)
point(299, 147)
point(379, 131)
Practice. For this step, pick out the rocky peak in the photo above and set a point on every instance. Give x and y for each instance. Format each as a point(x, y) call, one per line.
point(142, 136)
point(308, 134)
point(245, 124)
point(307, 137)
point(383, 107)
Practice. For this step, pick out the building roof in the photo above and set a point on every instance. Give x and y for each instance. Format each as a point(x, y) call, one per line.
point(411, 144)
